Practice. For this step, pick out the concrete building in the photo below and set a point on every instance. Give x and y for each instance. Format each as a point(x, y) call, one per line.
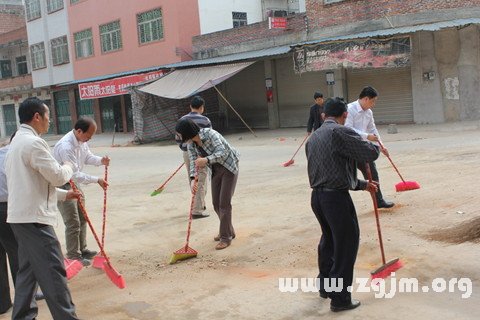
point(422, 56)
point(15, 67)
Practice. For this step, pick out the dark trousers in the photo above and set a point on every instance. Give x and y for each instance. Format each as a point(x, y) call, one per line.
point(373, 169)
point(40, 259)
point(8, 247)
point(223, 188)
point(337, 250)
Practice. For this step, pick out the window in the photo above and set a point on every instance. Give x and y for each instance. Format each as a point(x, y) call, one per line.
point(150, 26)
point(32, 7)
point(110, 36)
point(21, 65)
point(331, 1)
point(74, 1)
point(54, 5)
point(83, 43)
point(239, 19)
point(59, 48)
point(37, 52)
point(5, 68)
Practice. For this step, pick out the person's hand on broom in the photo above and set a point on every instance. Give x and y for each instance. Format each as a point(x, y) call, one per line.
point(71, 195)
point(201, 162)
point(372, 186)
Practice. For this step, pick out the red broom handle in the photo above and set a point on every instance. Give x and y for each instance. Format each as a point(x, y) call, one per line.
point(393, 164)
point(169, 178)
point(304, 139)
point(190, 217)
point(375, 207)
point(104, 206)
point(85, 215)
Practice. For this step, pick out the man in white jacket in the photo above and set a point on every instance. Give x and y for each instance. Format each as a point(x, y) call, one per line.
point(32, 175)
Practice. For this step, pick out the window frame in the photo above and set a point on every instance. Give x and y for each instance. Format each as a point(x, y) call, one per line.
point(109, 34)
point(17, 63)
point(36, 52)
point(59, 50)
point(28, 9)
point(327, 2)
point(59, 3)
point(239, 22)
point(149, 24)
point(88, 40)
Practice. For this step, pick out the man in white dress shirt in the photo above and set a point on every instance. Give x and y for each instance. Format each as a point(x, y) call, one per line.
point(73, 148)
point(360, 119)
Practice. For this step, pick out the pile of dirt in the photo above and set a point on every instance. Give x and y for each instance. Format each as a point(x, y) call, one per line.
point(465, 231)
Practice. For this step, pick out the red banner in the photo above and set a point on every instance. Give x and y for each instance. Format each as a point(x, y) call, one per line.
point(114, 87)
point(277, 23)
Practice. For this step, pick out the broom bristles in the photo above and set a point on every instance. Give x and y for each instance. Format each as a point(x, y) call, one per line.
point(407, 185)
point(72, 267)
point(114, 276)
point(387, 269)
point(288, 163)
point(98, 262)
point(155, 192)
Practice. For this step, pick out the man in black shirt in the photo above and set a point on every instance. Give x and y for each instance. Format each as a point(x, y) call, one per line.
point(315, 119)
point(332, 153)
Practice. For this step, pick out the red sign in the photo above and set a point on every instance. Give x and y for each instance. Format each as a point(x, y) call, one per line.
point(114, 87)
point(277, 23)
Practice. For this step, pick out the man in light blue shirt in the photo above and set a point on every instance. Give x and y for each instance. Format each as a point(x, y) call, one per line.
point(360, 119)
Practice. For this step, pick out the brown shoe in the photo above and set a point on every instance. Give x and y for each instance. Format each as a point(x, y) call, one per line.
point(217, 238)
point(222, 245)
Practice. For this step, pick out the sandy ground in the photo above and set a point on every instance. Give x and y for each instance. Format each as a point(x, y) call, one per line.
point(277, 233)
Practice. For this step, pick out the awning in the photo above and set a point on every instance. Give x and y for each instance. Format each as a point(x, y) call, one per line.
point(184, 83)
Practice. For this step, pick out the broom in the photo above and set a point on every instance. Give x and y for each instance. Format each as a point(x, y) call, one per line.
point(291, 161)
point(72, 267)
point(160, 189)
point(393, 265)
point(404, 185)
point(99, 260)
point(113, 274)
point(186, 252)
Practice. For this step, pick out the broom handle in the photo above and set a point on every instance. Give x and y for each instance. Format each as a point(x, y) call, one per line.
point(169, 178)
point(85, 215)
point(104, 206)
point(304, 139)
point(390, 159)
point(190, 217)
point(375, 207)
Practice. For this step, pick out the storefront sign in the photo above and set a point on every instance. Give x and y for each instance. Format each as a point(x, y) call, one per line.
point(372, 53)
point(277, 23)
point(114, 87)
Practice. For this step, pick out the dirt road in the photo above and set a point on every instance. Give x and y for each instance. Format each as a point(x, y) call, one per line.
point(277, 233)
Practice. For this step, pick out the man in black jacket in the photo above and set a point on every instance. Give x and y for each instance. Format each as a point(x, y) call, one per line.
point(332, 153)
point(315, 119)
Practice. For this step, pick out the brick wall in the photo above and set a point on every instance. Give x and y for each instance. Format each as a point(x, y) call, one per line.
point(20, 83)
point(14, 35)
point(11, 18)
point(323, 15)
point(254, 31)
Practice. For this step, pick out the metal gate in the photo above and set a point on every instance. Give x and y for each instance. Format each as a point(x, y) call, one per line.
point(84, 107)
point(10, 119)
point(394, 86)
point(62, 105)
point(110, 109)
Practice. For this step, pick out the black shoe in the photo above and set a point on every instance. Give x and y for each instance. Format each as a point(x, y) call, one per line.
point(39, 296)
point(83, 261)
point(88, 254)
point(200, 215)
point(385, 204)
point(352, 305)
point(323, 294)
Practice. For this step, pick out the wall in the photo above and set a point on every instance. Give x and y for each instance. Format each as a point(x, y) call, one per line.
point(11, 17)
point(217, 15)
point(47, 27)
point(180, 21)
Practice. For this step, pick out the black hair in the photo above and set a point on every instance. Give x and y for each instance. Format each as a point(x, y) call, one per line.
point(197, 102)
point(334, 107)
point(369, 92)
point(84, 123)
point(317, 95)
point(13, 135)
point(29, 107)
point(187, 129)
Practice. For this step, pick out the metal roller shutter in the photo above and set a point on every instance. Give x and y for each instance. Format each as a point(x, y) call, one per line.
point(295, 93)
point(394, 86)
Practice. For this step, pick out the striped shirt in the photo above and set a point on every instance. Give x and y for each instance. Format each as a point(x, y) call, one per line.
point(332, 153)
point(200, 120)
point(218, 150)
